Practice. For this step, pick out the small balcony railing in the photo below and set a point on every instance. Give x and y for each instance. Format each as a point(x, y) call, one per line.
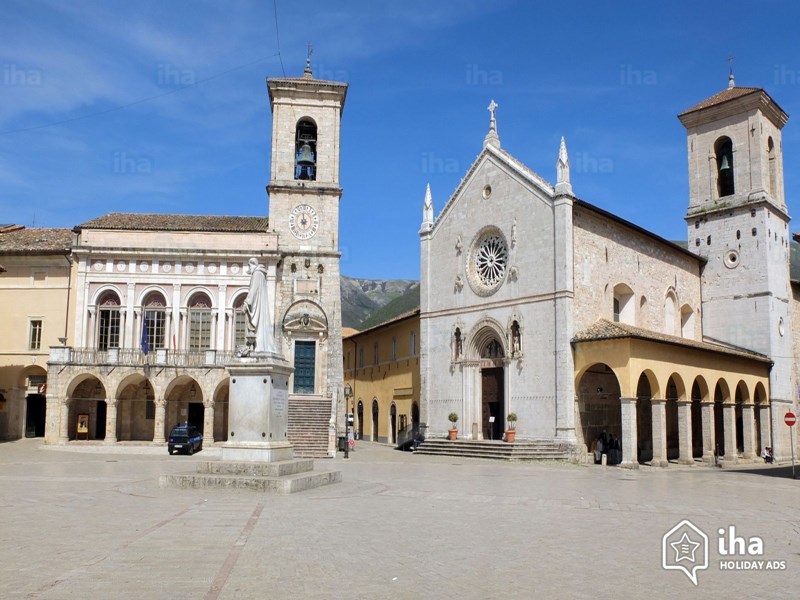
point(131, 357)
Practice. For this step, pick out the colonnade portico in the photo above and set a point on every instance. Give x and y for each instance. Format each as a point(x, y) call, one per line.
point(122, 403)
point(617, 374)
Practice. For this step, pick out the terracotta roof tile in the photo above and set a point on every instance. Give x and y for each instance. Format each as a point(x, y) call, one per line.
point(38, 240)
point(607, 330)
point(158, 222)
point(723, 96)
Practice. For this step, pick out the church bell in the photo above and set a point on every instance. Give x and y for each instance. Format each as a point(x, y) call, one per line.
point(725, 164)
point(305, 156)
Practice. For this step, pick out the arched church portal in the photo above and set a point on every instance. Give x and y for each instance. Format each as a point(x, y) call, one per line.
point(493, 393)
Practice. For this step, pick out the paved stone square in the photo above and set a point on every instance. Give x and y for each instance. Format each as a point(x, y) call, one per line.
point(92, 522)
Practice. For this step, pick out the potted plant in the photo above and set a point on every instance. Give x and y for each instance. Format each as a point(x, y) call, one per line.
point(452, 433)
point(511, 432)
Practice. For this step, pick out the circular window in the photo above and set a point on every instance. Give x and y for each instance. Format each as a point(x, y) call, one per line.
point(487, 191)
point(488, 262)
point(731, 259)
point(781, 328)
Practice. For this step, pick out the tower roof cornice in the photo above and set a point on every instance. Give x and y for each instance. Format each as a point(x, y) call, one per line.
point(734, 100)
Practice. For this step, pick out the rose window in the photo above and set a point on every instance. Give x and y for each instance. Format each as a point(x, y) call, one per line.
point(489, 262)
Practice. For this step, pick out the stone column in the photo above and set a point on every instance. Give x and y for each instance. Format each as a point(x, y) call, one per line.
point(208, 422)
point(707, 414)
point(629, 445)
point(63, 426)
point(111, 421)
point(158, 426)
point(729, 422)
point(749, 433)
point(685, 432)
point(764, 418)
point(659, 411)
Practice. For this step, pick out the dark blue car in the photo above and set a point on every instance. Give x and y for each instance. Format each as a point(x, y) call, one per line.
point(185, 438)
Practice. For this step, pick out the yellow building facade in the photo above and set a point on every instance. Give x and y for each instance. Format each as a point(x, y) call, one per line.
point(37, 303)
point(381, 368)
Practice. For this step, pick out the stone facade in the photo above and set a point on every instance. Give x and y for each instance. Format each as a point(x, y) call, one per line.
point(553, 336)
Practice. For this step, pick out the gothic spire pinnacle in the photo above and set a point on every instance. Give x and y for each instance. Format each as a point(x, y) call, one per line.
point(307, 72)
point(427, 210)
point(563, 184)
point(492, 137)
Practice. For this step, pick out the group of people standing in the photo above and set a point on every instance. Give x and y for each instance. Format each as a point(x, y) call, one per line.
point(608, 445)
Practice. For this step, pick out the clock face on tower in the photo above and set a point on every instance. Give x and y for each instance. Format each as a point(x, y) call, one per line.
point(303, 222)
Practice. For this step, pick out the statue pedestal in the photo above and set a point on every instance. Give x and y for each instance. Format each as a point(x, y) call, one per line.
point(258, 410)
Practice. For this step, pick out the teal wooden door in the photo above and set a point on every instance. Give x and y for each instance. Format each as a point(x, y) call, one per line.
point(304, 367)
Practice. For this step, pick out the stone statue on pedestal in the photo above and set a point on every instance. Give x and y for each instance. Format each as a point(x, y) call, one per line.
point(257, 310)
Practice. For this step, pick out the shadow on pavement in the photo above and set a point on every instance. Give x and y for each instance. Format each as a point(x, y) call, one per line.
point(784, 472)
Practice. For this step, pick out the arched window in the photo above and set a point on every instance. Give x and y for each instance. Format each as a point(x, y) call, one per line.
point(724, 153)
point(773, 168)
point(239, 322)
point(199, 322)
point(623, 304)
point(670, 314)
point(687, 322)
point(108, 321)
point(305, 151)
point(154, 321)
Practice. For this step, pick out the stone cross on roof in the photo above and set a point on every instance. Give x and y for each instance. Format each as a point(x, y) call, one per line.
point(492, 137)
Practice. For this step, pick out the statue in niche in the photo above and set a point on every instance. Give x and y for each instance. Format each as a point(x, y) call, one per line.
point(458, 344)
point(257, 309)
point(516, 339)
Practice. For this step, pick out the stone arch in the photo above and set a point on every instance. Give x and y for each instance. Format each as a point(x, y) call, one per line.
point(135, 404)
point(723, 151)
point(646, 389)
point(599, 408)
point(624, 304)
point(722, 397)
point(375, 419)
point(153, 289)
point(670, 312)
point(184, 397)
point(221, 399)
point(760, 394)
point(674, 391)
point(483, 333)
point(103, 290)
point(687, 322)
point(761, 417)
point(700, 395)
point(393, 423)
point(741, 397)
point(195, 293)
point(86, 396)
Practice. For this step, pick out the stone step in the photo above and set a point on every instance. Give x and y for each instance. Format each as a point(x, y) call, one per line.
point(287, 484)
point(523, 450)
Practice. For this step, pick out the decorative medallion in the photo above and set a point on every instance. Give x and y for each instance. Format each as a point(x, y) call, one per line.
point(488, 262)
point(189, 267)
point(166, 267)
point(235, 268)
point(211, 268)
point(98, 265)
point(144, 266)
point(122, 265)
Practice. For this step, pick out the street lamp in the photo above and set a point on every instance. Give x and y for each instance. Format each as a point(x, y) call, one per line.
point(348, 393)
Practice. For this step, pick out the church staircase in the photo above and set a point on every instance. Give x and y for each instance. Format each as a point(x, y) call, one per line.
point(524, 450)
point(309, 418)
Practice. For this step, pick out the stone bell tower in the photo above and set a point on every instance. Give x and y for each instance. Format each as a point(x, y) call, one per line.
point(738, 221)
point(304, 195)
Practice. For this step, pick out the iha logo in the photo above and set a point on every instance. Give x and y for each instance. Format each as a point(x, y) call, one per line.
point(685, 548)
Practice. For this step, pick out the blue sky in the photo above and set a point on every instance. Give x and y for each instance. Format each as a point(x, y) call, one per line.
point(610, 77)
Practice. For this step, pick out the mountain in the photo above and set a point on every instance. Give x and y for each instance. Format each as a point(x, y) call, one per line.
point(402, 304)
point(363, 297)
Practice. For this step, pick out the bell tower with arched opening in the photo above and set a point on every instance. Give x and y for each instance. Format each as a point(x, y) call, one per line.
point(304, 195)
point(738, 221)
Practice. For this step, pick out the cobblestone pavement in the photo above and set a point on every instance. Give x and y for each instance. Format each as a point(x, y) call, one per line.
point(92, 523)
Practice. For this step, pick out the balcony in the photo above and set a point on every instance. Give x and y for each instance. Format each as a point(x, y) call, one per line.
point(134, 357)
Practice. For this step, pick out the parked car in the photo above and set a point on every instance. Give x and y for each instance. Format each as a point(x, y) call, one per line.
point(185, 438)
